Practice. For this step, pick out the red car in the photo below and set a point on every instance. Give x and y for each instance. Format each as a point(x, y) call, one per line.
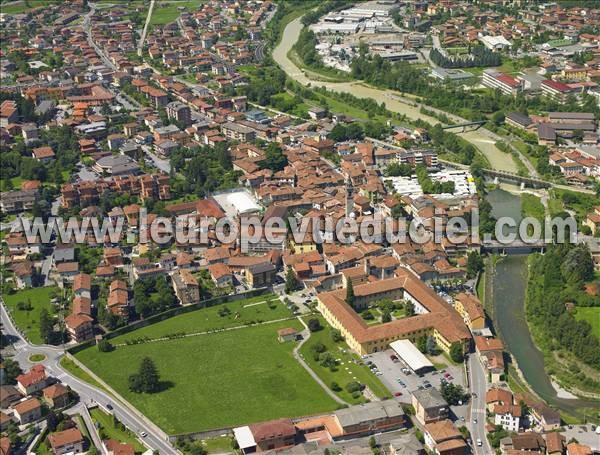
point(398, 394)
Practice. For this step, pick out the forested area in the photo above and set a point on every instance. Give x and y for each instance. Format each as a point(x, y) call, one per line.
point(555, 279)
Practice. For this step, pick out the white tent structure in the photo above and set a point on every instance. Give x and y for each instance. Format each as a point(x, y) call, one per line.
point(244, 438)
point(409, 353)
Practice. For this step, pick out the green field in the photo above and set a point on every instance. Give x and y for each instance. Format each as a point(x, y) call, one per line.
point(532, 206)
point(167, 11)
point(110, 431)
point(215, 380)
point(591, 315)
point(22, 6)
point(241, 312)
point(76, 371)
point(348, 368)
point(29, 321)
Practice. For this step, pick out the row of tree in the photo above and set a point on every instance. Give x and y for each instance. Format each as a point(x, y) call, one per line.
point(478, 56)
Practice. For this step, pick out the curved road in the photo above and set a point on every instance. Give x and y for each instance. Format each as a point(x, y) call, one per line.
point(483, 140)
point(87, 393)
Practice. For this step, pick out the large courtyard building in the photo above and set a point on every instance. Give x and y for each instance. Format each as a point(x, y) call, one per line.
point(433, 316)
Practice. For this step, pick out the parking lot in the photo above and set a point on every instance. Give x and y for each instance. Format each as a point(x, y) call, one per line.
point(391, 373)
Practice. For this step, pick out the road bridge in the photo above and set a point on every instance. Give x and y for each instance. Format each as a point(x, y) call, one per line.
point(517, 246)
point(465, 126)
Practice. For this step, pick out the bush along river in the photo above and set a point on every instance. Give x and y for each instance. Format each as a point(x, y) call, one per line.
point(506, 291)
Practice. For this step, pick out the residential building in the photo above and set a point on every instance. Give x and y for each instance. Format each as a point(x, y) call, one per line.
point(369, 418)
point(80, 327)
point(67, 441)
point(56, 395)
point(259, 275)
point(429, 406)
point(186, 287)
point(179, 112)
point(443, 438)
point(28, 410)
point(33, 381)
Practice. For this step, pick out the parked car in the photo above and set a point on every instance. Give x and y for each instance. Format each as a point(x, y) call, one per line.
point(109, 406)
point(398, 394)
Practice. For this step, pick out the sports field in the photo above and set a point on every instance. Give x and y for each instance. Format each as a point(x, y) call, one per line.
point(214, 380)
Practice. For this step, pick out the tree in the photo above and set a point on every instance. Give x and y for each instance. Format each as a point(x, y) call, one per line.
point(578, 265)
point(274, 158)
point(422, 343)
point(498, 118)
point(46, 326)
point(314, 325)
point(386, 316)
point(147, 379)
point(11, 371)
point(431, 345)
point(372, 442)
point(453, 393)
point(456, 352)
point(335, 387)
point(353, 386)
point(475, 264)
point(291, 281)
point(350, 294)
point(105, 346)
point(336, 336)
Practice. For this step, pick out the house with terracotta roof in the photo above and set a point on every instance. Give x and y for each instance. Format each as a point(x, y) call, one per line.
point(186, 287)
point(56, 395)
point(28, 411)
point(221, 274)
point(574, 448)
point(33, 381)
point(67, 441)
point(43, 154)
point(114, 447)
point(555, 443)
point(443, 438)
point(471, 310)
point(82, 285)
point(80, 327)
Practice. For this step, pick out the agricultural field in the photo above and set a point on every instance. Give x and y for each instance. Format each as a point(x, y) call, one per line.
point(214, 380)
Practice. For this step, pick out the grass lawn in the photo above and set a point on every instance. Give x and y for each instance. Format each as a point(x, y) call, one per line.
point(348, 368)
point(555, 206)
point(591, 315)
point(532, 206)
point(109, 431)
point(37, 357)
point(29, 321)
point(74, 370)
point(222, 444)
point(170, 12)
point(260, 308)
point(215, 380)
point(22, 6)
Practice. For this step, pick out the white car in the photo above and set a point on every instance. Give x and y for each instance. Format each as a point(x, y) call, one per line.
point(143, 434)
point(479, 443)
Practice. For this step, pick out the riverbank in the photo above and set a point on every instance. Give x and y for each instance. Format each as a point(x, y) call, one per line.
point(393, 100)
point(506, 285)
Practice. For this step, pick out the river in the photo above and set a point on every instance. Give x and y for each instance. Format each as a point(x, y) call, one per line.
point(508, 288)
point(392, 99)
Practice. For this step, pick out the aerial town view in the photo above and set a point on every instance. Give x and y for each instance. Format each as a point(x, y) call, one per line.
point(300, 227)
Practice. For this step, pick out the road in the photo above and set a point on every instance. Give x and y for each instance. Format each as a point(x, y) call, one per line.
point(87, 393)
point(478, 385)
point(161, 164)
point(140, 48)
